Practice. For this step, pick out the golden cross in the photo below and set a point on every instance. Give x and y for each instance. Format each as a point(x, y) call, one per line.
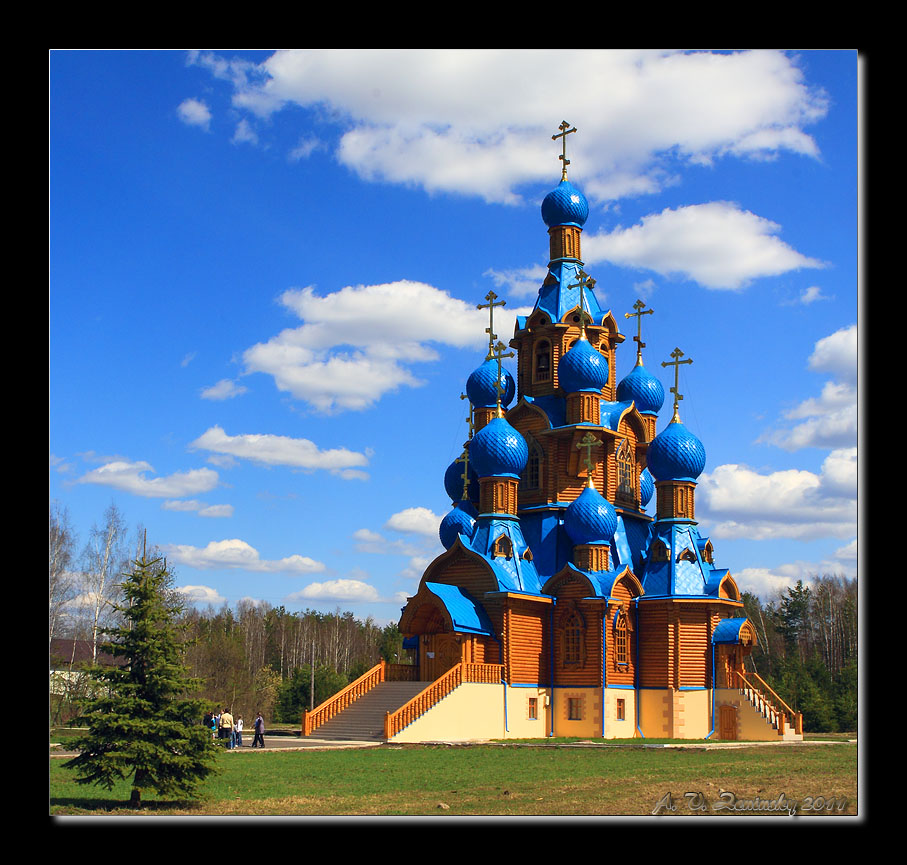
point(498, 353)
point(588, 442)
point(491, 297)
point(585, 281)
point(639, 306)
point(470, 416)
point(565, 130)
point(464, 458)
point(676, 354)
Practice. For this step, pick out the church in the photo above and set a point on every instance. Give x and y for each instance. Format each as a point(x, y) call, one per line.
point(561, 607)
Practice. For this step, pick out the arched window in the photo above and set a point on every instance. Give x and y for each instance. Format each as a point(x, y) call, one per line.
point(543, 361)
point(531, 479)
point(573, 640)
point(621, 641)
point(659, 552)
point(625, 473)
point(502, 547)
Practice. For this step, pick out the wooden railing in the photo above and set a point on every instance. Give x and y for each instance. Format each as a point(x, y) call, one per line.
point(394, 722)
point(381, 672)
point(778, 717)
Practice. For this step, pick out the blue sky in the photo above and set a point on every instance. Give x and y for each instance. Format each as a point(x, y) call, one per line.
point(264, 272)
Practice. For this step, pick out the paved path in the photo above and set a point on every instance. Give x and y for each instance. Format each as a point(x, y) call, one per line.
point(273, 743)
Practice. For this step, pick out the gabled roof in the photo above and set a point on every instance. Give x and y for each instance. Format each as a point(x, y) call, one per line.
point(465, 614)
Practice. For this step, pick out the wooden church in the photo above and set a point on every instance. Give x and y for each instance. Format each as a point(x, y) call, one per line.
point(561, 607)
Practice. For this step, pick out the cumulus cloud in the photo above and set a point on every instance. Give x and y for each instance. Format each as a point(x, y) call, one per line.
point(225, 389)
point(349, 591)
point(357, 343)
point(478, 122)
point(829, 420)
point(237, 554)
point(274, 450)
point(716, 244)
point(740, 502)
point(194, 112)
point(131, 477)
point(420, 521)
point(201, 595)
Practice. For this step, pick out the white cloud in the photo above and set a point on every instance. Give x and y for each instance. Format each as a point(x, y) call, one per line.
point(194, 112)
point(717, 244)
point(519, 282)
point(244, 133)
point(225, 389)
point(201, 595)
point(812, 294)
point(420, 521)
point(234, 553)
point(479, 121)
point(739, 502)
point(337, 590)
point(358, 343)
point(274, 450)
point(831, 419)
point(768, 583)
point(130, 477)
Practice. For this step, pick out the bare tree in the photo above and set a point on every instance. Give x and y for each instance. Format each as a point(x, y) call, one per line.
point(61, 580)
point(103, 562)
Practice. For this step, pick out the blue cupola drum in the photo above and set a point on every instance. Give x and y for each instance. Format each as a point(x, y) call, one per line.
point(675, 454)
point(583, 368)
point(590, 518)
point(498, 450)
point(565, 205)
point(641, 387)
point(481, 389)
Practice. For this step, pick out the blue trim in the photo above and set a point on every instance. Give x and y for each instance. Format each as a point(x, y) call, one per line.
point(712, 731)
point(636, 672)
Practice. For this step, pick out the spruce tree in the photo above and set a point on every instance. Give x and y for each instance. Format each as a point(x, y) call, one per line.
point(142, 723)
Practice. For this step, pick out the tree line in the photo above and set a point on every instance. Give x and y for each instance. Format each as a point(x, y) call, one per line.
point(808, 650)
point(254, 658)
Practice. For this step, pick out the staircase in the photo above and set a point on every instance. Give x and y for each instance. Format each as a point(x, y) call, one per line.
point(363, 720)
point(787, 723)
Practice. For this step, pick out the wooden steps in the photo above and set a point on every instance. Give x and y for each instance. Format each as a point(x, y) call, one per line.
point(363, 720)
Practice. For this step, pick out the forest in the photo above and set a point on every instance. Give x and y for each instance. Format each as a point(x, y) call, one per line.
point(257, 657)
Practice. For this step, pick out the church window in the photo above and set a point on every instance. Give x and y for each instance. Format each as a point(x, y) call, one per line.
point(533, 708)
point(621, 709)
point(573, 640)
point(543, 361)
point(502, 547)
point(527, 555)
point(625, 473)
point(621, 641)
point(708, 553)
point(574, 708)
point(531, 477)
point(659, 552)
point(687, 556)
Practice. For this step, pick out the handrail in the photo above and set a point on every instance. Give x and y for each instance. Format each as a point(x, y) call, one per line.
point(463, 672)
point(764, 705)
point(336, 704)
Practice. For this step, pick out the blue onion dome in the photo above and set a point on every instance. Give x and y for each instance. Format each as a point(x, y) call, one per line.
point(590, 518)
point(644, 389)
point(453, 482)
point(646, 488)
point(582, 368)
point(480, 386)
point(498, 449)
point(675, 454)
point(565, 205)
point(457, 522)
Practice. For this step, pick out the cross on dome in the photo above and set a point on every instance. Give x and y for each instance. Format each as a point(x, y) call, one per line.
point(491, 297)
point(565, 130)
point(676, 354)
point(639, 306)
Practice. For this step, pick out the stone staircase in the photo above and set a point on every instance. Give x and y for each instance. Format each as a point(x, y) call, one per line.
point(363, 720)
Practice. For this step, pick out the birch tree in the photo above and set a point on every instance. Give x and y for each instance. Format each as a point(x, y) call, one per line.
point(61, 580)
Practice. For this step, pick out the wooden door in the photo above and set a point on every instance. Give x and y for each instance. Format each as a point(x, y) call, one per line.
point(443, 652)
point(727, 722)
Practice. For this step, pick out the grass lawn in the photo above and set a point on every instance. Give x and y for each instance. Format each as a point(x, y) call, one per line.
point(501, 780)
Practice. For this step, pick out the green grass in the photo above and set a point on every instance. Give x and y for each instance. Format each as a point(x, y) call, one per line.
point(490, 780)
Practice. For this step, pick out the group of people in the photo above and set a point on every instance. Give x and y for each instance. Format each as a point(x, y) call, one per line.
point(224, 727)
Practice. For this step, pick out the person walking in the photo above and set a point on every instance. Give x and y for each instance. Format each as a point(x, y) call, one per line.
point(259, 738)
point(238, 730)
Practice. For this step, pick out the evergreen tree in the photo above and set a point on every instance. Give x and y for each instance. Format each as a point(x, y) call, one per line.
point(141, 721)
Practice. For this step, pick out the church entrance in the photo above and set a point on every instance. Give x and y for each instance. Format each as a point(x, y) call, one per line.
point(440, 653)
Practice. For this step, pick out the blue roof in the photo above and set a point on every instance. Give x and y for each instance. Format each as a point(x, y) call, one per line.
point(465, 613)
point(728, 630)
point(560, 293)
point(513, 573)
